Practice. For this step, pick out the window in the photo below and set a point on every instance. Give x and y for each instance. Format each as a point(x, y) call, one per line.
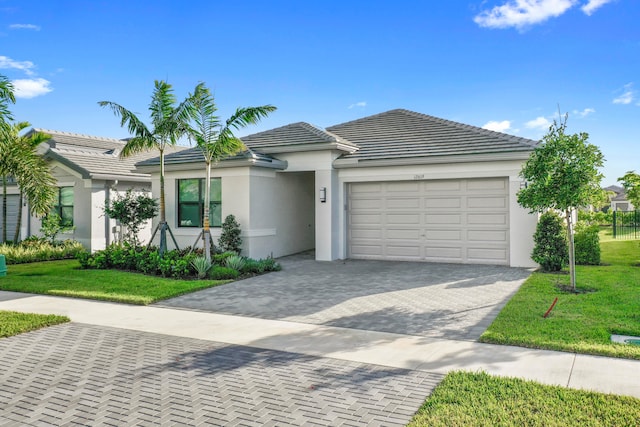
point(64, 205)
point(191, 202)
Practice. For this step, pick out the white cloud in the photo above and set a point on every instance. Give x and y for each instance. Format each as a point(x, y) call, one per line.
point(522, 13)
point(540, 123)
point(360, 104)
point(592, 5)
point(7, 63)
point(30, 88)
point(584, 113)
point(496, 126)
point(24, 27)
point(627, 96)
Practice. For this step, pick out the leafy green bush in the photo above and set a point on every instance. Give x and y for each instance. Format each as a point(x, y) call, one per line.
point(220, 258)
point(600, 218)
point(35, 250)
point(550, 250)
point(230, 236)
point(222, 273)
point(587, 244)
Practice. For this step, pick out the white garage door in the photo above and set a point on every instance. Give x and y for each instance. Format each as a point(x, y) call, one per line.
point(461, 221)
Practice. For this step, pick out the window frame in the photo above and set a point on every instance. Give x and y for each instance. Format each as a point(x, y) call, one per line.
point(199, 203)
point(58, 207)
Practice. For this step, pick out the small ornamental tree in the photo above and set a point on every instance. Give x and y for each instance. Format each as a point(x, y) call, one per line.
point(550, 250)
point(52, 226)
point(562, 174)
point(132, 210)
point(230, 237)
point(631, 183)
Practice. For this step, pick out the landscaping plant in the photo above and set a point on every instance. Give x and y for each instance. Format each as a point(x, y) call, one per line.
point(202, 266)
point(235, 261)
point(587, 243)
point(229, 240)
point(52, 226)
point(550, 238)
point(131, 210)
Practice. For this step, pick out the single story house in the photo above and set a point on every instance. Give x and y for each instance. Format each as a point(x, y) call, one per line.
point(398, 185)
point(619, 201)
point(88, 171)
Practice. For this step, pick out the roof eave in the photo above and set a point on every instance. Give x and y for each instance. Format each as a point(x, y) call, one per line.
point(343, 163)
point(339, 146)
point(199, 164)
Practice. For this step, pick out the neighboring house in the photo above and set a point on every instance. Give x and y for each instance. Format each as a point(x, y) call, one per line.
point(393, 186)
point(88, 171)
point(619, 200)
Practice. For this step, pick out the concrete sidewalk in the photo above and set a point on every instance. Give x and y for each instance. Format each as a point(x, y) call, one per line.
point(609, 375)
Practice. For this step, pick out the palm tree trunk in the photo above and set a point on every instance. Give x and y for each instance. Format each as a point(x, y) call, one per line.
point(16, 235)
point(206, 234)
point(163, 217)
point(4, 209)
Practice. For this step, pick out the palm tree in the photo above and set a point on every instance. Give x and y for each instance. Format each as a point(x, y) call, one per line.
point(6, 97)
point(169, 125)
point(19, 158)
point(216, 140)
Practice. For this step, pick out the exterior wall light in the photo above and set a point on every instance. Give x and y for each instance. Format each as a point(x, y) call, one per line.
point(323, 194)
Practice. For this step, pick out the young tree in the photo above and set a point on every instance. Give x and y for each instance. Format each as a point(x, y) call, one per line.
point(132, 210)
point(169, 124)
point(631, 183)
point(216, 139)
point(562, 174)
point(19, 158)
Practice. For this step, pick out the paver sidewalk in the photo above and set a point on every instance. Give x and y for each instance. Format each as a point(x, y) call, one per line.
point(609, 375)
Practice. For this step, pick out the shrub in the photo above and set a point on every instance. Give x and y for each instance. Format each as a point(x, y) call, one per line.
point(201, 265)
point(587, 244)
point(35, 250)
point(550, 250)
point(222, 273)
point(220, 258)
point(235, 261)
point(52, 225)
point(252, 266)
point(269, 264)
point(230, 236)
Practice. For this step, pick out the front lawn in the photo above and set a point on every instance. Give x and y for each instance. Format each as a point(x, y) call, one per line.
point(478, 399)
point(14, 323)
point(65, 278)
point(581, 323)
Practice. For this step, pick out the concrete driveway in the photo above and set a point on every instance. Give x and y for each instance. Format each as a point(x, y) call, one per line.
point(436, 300)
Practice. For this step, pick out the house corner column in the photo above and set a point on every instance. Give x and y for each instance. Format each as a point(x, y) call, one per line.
point(522, 226)
point(327, 231)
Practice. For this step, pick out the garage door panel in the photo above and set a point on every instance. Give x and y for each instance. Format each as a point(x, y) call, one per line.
point(366, 233)
point(455, 235)
point(443, 218)
point(366, 218)
point(403, 203)
point(402, 234)
point(486, 202)
point(443, 203)
point(460, 221)
point(403, 251)
point(487, 218)
point(487, 236)
point(444, 185)
point(365, 204)
point(403, 219)
point(487, 184)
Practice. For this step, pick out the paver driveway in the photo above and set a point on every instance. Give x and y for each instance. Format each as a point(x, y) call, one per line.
point(79, 375)
point(437, 300)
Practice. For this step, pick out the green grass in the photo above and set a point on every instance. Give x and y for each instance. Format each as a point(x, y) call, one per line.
point(65, 278)
point(14, 323)
point(478, 399)
point(581, 323)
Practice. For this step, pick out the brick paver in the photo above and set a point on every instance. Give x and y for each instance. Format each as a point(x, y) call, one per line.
point(449, 301)
point(75, 374)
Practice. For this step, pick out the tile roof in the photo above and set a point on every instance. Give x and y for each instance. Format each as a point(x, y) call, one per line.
point(194, 155)
point(294, 134)
point(94, 156)
point(406, 134)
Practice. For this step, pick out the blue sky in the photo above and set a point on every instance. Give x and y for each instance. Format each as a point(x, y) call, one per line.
point(502, 64)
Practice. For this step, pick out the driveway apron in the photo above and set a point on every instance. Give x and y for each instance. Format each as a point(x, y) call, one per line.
point(448, 301)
